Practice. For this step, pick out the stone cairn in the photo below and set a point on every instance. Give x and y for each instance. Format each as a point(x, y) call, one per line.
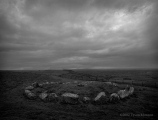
point(71, 98)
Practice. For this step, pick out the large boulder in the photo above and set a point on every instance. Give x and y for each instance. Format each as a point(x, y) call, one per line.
point(43, 96)
point(127, 92)
point(69, 98)
point(114, 97)
point(29, 88)
point(30, 95)
point(108, 83)
point(101, 98)
point(72, 95)
point(52, 97)
point(123, 93)
point(131, 90)
point(27, 91)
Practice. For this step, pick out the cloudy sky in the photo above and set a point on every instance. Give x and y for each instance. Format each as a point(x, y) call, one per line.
point(62, 34)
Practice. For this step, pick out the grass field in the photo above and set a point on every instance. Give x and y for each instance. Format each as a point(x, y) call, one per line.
point(142, 105)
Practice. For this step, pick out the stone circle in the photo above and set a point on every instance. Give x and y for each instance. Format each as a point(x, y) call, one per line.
point(78, 92)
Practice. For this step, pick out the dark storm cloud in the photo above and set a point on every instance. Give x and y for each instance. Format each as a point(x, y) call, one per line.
point(130, 5)
point(151, 29)
point(5, 28)
point(52, 34)
point(77, 4)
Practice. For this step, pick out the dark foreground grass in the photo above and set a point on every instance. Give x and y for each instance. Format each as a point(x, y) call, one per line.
point(14, 106)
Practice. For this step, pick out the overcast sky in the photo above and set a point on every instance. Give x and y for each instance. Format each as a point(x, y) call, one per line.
point(63, 34)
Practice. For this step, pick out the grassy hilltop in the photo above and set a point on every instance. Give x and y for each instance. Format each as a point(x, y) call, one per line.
point(14, 106)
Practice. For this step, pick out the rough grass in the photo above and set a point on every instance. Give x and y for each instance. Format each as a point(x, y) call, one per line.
point(89, 89)
point(14, 106)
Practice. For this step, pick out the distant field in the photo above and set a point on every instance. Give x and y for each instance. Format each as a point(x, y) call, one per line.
point(143, 105)
point(148, 78)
